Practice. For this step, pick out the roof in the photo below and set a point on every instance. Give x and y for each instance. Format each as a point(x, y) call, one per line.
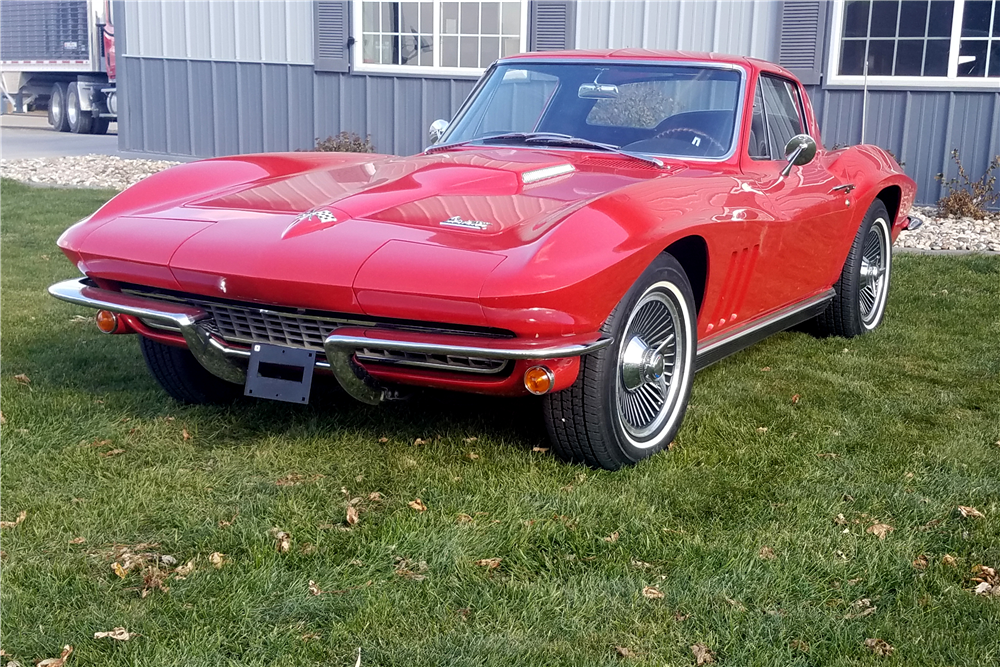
point(633, 54)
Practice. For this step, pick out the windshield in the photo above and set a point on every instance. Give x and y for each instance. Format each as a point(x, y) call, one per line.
point(669, 110)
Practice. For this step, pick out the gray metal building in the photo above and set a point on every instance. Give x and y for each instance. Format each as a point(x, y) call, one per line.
point(216, 77)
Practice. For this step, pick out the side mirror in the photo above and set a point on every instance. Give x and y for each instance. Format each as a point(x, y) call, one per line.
point(799, 150)
point(437, 130)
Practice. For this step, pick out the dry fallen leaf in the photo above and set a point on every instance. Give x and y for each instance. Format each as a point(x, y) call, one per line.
point(767, 553)
point(182, 571)
point(472, 456)
point(766, 369)
point(22, 378)
point(419, 441)
point(118, 569)
point(112, 452)
point(652, 593)
point(409, 570)
point(3, 420)
point(641, 565)
point(880, 530)
point(216, 559)
point(314, 589)
point(418, 505)
point(921, 562)
point(383, 440)
point(762, 429)
point(970, 512)
point(352, 515)
point(57, 662)
point(862, 608)
point(226, 524)
point(463, 518)
point(540, 450)
point(984, 588)
point(840, 520)
point(879, 646)
point(949, 560)
point(613, 537)
point(78, 540)
point(282, 540)
point(21, 516)
point(118, 634)
point(826, 455)
point(624, 652)
point(489, 563)
point(309, 636)
point(702, 654)
point(795, 398)
point(185, 434)
point(799, 645)
point(375, 495)
point(471, 440)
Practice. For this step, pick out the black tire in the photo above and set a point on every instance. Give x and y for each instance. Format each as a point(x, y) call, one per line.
point(79, 120)
point(57, 108)
point(859, 304)
point(99, 125)
point(181, 376)
point(597, 421)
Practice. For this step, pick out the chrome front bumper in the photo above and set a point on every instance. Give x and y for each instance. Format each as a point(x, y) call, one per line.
point(340, 346)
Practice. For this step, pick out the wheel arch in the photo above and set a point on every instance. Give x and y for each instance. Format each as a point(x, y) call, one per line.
point(891, 196)
point(692, 253)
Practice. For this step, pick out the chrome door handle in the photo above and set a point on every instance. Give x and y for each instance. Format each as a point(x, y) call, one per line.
point(846, 188)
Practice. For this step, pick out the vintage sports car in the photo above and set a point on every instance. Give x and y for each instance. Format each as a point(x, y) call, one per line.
point(592, 227)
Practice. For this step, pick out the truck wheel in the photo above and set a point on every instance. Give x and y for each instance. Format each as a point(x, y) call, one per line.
point(180, 375)
point(79, 120)
point(863, 288)
point(630, 398)
point(99, 125)
point(57, 108)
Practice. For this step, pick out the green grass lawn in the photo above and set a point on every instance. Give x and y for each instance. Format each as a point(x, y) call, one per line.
point(897, 428)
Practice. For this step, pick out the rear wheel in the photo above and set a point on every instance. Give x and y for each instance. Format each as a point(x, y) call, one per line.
point(79, 118)
point(630, 397)
point(181, 376)
point(99, 126)
point(57, 108)
point(863, 287)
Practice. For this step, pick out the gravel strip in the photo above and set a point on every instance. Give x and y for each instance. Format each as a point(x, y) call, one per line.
point(82, 171)
point(102, 171)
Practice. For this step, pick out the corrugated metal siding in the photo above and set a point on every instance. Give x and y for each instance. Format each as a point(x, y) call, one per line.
point(257, 107)
point(246, 30)
point(749, 27)
point(920, 128)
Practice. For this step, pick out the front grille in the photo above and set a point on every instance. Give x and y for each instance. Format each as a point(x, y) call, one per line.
point(244, 325)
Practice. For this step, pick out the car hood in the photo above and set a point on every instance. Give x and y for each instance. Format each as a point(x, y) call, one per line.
point(348, 232)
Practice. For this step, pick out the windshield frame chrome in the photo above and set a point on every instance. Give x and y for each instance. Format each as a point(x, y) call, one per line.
point(707, 64)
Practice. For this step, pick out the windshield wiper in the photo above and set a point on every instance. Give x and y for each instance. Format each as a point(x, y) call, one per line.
point(551, 139)
point(556, 139)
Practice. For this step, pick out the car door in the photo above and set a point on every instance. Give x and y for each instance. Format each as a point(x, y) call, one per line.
point(806, 204)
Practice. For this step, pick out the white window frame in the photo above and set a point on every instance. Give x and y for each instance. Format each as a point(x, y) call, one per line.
point(950, 82)
point(357, 55)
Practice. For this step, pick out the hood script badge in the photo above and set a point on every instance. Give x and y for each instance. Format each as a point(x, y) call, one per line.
point(456, 221)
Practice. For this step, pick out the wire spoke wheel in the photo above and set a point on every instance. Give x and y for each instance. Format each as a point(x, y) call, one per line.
point(874, 273)
point(649, 357)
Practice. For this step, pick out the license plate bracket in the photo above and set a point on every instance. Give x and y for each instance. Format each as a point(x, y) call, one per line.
point(280, 373)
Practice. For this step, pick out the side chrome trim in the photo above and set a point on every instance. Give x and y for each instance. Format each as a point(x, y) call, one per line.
point(208, 351)
point(757, 330)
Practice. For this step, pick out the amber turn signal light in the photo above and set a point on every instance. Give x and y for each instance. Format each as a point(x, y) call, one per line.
point(539, 380)
point(107, 321)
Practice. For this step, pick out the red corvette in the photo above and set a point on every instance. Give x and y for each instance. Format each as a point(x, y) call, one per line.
point(592, 227)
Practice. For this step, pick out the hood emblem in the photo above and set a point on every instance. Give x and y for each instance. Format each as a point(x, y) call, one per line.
point(322, 215)
point(456, 221)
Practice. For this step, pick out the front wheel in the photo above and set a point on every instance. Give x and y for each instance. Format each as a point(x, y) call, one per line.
point(863, 287)
point(630, 398)
point(57, 108)
point(179, 374)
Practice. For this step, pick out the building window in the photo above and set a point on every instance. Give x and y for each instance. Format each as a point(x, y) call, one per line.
point(449, 37)
point(917, 41)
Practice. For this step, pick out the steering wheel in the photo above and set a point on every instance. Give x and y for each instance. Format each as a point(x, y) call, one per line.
point(698, 133)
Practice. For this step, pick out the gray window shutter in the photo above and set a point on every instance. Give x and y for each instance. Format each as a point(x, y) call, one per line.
point(803, 33)
point(333, 31)
point(551, 25)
